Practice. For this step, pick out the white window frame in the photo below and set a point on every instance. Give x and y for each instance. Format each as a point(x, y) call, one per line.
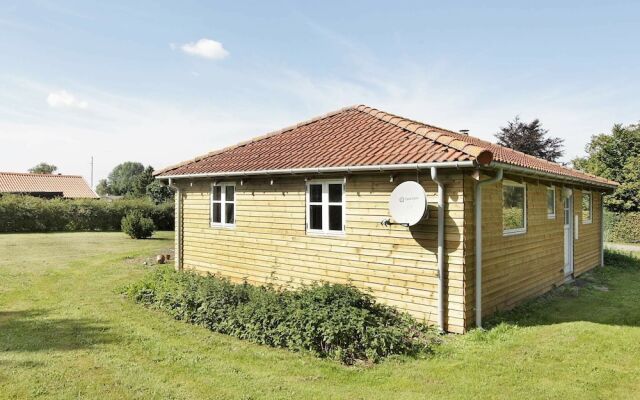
point(325, 207)
point(516, 231)
point(551, 188)
point(223, 201)
point(590, 220)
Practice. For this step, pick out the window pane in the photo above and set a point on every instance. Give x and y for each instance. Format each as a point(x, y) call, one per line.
point(513, 207)
point(315, 217)
point(567, 212)
point(315, 193)
point(335, 218)
point(216, 213)
point(586, 206)
point(551, 201)
point(229, 193)
point(229, 216)
point(217, 191)
point(335, 193)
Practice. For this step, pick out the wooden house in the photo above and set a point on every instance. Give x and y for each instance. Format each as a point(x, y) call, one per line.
point(311, 203)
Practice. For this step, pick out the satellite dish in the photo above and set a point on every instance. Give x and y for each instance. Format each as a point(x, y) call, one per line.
point(408, 203)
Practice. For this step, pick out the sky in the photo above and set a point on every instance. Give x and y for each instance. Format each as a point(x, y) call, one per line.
point(160, 82)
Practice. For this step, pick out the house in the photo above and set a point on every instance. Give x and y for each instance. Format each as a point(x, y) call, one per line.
point(45, 185)
point(311, 203)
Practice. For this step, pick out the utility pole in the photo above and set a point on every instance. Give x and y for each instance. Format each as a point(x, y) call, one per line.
point(91, 172)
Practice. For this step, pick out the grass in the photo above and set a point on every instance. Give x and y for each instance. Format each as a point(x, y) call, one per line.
point(66, 333)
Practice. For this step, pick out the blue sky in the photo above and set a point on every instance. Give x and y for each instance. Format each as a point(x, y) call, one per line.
point(160, 82)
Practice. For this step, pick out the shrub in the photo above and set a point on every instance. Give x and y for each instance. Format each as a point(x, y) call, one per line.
point(137, 226)
point(33, 214)
point(623, 227)
point(329, 320)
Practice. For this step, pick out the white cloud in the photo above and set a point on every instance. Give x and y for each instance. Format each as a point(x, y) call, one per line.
point(64, 99)
point(205, 48)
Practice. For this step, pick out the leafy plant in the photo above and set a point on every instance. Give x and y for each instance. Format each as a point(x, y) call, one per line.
point(624, 227)
point(137, 226)
point(34, 214)
point(329, 320)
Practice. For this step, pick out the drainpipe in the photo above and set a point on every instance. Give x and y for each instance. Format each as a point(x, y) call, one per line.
point(478, 245)
point(602, 229)
point(178, 226)
point(441, 271)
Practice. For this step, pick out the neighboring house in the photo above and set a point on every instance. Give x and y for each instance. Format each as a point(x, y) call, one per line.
point(307, 203)
point(45, 185)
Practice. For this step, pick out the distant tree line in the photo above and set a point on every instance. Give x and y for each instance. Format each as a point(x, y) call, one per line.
point(133, 179)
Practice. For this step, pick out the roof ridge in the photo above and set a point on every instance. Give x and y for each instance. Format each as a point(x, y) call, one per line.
point(257, 138)
point(38, 174)
point(482, 155)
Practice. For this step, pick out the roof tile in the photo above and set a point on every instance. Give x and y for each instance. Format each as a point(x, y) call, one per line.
point(71, 186)
point(358, 136)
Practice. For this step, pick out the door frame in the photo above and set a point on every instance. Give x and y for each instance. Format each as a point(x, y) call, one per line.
point(568, 240)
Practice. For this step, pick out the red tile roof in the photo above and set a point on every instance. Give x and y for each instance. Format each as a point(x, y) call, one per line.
point(71, 186)
point(362, 136)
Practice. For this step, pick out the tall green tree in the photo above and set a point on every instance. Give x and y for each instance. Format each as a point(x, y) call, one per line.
point(126, 179)
point(43, 168)
point(530, 138)
point(616, 156)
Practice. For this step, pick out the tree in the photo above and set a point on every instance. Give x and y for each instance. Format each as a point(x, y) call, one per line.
point(132, 179)
point(43, 168)
point(103, 188)
point(141, 182)
point(616, 156)
point(530, 138)
point(123, 179)
point(159, 192)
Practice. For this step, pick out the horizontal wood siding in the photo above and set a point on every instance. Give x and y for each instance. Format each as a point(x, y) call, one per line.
point(522, 266)
point(269, 243)
point(587, 247)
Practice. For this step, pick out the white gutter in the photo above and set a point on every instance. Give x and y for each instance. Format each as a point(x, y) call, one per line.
point(320, 170)
point(557, 177)
point(441, 256)
point(478, 245)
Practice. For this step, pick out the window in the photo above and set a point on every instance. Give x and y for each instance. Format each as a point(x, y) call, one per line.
point(325, 207)
point(514, 210)
point(551, 202)
point(223, 204)
point(587, 208)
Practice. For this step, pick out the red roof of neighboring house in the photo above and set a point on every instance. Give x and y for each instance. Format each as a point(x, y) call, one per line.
point(362, 136)
point(71, 186)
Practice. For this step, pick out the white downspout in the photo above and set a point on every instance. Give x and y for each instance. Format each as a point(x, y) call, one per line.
point(178, 226)
point(478, 245)
point(441, 270)
point(602, 229)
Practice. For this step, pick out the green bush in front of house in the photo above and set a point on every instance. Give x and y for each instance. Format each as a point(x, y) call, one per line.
point(622, 227)
point(329, 320)
point(34, 214)
point(137, 226)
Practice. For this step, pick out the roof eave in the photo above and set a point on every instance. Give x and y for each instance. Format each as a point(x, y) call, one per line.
point(328, 170)
point(552, 176)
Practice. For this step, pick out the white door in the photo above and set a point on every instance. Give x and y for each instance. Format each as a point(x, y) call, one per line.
point(568, 233)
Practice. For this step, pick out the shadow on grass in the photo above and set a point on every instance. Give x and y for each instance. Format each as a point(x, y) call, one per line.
point(33, 331)
point(609, 295)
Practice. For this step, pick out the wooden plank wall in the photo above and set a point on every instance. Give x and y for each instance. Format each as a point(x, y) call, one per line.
point(587, 247)
point(522, 266)
point(269, 243)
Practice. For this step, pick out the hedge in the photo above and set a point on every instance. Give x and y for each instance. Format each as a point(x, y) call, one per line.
point(34, 214)
point(329, 320)
point(622, 227)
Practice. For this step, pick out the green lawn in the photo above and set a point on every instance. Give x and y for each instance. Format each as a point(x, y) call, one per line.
point(65, 332)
